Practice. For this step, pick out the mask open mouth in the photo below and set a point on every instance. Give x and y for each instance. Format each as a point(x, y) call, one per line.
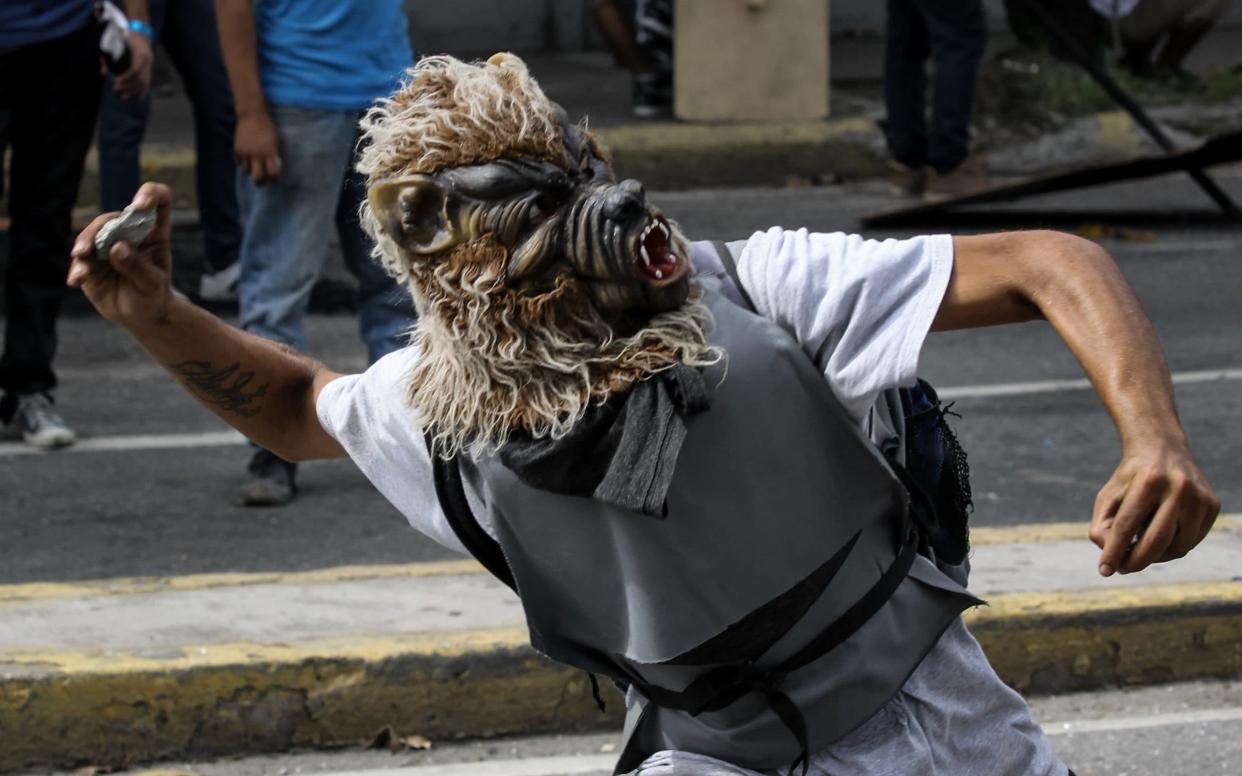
point(657, 261)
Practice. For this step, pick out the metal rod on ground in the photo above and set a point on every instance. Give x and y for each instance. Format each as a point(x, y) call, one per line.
point(1122, 98)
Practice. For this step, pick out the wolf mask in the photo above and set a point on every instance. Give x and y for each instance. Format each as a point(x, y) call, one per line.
point(543, 284)
point(537, 184)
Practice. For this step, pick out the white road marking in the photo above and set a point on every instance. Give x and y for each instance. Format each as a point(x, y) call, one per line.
point(177, 441)
point(571, 765)
point(1199, 716)
point(1078, 384)
point(133, 443)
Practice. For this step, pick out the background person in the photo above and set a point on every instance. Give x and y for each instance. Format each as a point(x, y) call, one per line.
point(187, 31)
point(49, 98)
point(1173, 26)
point(933, 159)
point(302, 73)
point(640, 35)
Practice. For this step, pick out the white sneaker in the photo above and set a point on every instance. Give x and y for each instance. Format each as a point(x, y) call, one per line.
point(40, 425)
point(220, 286)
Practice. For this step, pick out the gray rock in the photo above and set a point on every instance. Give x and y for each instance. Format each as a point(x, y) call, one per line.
point(131, 226)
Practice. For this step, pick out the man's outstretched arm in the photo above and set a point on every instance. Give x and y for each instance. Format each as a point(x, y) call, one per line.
point(1157, 505)
point(265, 390)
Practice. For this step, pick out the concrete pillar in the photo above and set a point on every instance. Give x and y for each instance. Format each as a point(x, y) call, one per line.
point(750, 60)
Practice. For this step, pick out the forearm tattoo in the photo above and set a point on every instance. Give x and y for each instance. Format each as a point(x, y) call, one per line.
point(228, 388)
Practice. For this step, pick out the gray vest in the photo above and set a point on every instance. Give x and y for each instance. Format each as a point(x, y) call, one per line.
point(782, 516)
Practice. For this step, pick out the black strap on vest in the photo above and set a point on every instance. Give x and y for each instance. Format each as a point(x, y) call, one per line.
point(730, 265)
point(722, 686)
point(452, 496)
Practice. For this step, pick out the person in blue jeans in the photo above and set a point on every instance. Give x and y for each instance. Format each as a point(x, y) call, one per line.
point(303, 72)
point(186, 29)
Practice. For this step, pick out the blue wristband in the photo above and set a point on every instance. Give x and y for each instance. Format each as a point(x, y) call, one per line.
point(143, 29)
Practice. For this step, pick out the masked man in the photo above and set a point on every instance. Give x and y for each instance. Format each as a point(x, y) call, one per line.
point(696, 496)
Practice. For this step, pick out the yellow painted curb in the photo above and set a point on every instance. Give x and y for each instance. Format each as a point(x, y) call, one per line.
point(1003, 610)
point(1057, 642)
point(116, 708)
point(429, 644)
point(62, 708)
point(145, 585)
point(1033, 533)
point(1025, 534)
point(1008, 608)
point(1117, 136)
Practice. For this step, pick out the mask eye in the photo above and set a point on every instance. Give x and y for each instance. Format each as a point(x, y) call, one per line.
point(543, 208)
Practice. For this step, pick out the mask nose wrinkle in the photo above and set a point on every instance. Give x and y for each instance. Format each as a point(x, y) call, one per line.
point(633, 187)
point(624, 201)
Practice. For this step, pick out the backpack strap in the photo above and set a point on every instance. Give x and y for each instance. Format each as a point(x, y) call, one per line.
point(730, 267)
point(722, 686)
point(452, 496)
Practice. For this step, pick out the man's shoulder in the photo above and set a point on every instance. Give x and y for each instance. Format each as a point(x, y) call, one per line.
point(393, 370)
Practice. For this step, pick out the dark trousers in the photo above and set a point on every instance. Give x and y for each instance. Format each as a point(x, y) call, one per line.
point(653, 31)
point(49, 97)
point(186, 30)
point(953, 34)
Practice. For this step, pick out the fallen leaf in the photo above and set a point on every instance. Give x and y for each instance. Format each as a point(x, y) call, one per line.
point(418, 743)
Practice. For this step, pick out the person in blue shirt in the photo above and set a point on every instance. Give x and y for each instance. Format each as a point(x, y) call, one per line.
point(49, 98)
point(303, 72)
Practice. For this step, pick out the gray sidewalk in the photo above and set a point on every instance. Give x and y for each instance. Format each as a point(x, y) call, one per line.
point(173, 615)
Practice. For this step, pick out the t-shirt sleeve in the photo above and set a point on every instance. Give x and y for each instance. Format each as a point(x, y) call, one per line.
point(367, 414)
point(861, 309)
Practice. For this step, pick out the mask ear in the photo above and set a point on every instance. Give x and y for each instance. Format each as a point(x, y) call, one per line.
point(414, 212)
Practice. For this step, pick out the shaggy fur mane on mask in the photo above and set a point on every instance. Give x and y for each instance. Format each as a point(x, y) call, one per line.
point(450, 113)
point(493, 359)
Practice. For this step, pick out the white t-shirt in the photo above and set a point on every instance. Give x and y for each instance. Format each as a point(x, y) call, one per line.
point(861, 310)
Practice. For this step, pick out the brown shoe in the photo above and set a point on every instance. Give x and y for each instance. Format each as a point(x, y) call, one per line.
point(969, 177)
point(906, 181)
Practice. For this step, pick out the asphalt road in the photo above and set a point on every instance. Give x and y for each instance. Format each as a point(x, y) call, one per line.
point(1036, 456)
point(1173, 730)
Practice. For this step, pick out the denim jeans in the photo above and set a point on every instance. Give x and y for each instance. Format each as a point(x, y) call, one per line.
point(287, 229)
point(953, 33)
point(186, 30)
